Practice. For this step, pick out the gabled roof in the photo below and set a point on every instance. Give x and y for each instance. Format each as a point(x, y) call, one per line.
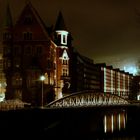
point(60, 24)
point(29, 7)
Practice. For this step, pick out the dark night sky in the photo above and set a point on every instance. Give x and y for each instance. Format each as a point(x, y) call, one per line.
point(104, 30)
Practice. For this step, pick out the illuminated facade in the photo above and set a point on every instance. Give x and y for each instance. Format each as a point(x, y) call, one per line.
point(30, 50)
point(114, 121)
point(115, 81)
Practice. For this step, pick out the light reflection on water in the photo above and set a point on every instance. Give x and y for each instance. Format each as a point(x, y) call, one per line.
point(115, 121)
point(99, 123)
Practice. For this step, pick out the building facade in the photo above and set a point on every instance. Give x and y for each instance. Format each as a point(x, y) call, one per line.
point(85, 75)
point(31, 50)
point(115, 81)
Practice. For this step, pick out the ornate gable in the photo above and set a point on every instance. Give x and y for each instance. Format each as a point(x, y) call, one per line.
point(65, 55)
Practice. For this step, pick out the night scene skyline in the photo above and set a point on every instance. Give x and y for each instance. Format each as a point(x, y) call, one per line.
point(109, 31)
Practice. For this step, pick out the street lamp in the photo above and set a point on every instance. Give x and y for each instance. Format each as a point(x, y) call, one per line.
point(42, 78)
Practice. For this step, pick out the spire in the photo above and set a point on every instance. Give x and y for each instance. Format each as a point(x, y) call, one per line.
point(8, 18)
point(60, 24)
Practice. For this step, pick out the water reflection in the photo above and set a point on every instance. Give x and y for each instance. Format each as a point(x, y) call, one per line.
point(115, 121)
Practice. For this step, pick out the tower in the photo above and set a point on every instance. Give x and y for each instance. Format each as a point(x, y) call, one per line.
point(63, 42)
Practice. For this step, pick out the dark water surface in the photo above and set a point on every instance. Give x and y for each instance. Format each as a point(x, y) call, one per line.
point(118, 123)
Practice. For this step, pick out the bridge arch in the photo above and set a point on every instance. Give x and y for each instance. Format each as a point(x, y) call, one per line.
point(88, 98)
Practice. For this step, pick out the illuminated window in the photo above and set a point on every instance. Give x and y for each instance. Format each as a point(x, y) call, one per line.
point(64, 37)
point(65, 72)
point(65, 62)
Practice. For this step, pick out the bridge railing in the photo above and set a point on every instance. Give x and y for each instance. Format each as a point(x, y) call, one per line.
point(88, 98)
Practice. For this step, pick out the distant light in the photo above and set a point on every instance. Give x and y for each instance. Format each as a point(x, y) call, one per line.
point(131, 69)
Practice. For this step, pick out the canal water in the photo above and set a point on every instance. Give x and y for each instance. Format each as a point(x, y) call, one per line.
point(117, 123)
point(99, 123)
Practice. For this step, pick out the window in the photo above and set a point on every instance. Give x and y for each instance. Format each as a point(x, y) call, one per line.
point(27, 36)
point(28, 50)
point(64, 39)
point(7, 36)
point(16, 80)
point(39, 49)
point(59, 39)
point(65, 72)
point(28, 20)
point(7, 63)
point(17, 50)
point(65, 62)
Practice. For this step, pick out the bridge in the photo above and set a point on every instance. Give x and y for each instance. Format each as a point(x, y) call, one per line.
point(88, 98)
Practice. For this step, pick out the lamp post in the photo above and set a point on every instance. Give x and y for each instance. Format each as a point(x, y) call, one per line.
point(42, 78)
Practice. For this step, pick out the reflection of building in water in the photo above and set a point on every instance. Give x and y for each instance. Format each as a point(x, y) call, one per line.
point(114, 122)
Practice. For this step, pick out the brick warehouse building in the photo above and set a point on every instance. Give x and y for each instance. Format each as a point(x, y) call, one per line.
point(30, 50)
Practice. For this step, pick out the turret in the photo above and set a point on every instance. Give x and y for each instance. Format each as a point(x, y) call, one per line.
point(61, 33)
point(61, 39)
